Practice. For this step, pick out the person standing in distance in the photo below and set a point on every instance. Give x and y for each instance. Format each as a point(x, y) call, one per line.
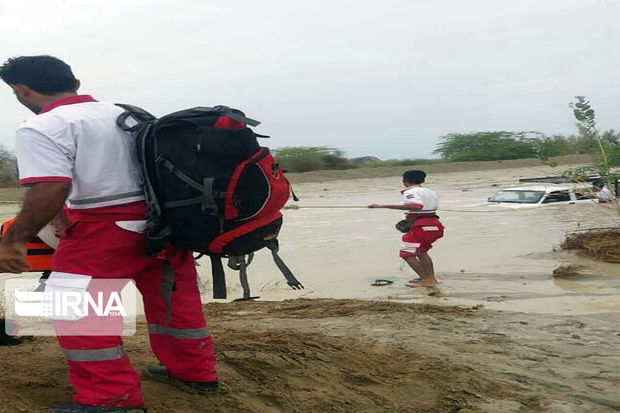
point(603, 194)
point(421, 204)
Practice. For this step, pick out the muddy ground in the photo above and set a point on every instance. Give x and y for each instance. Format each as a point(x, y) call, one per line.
point(349, 356)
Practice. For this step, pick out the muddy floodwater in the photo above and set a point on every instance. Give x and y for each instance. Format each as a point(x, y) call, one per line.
point(497, 256)
point(500, 257)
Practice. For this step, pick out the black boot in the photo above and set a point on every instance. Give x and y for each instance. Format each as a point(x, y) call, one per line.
point(160, 373)
point(5, 339)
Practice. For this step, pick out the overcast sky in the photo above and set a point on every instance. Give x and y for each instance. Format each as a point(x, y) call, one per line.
point(383, 78)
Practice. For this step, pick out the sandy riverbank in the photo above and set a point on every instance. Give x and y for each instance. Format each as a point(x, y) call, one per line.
point(351, 356)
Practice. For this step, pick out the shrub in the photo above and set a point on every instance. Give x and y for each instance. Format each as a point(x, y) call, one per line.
point(484, 146)
point(8, 169)
point(305, 159)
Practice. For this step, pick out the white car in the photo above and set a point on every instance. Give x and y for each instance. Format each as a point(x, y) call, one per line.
point(544, 195)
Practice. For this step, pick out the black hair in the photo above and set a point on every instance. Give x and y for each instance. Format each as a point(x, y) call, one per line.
point(414, 176)
point(43, 74)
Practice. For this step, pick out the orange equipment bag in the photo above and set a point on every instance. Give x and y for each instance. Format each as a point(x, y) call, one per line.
point(39, 253)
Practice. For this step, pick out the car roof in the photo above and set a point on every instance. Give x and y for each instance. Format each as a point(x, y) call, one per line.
point(542, 188)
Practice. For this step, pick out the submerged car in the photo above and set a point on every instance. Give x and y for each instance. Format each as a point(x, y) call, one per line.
point(544, 195)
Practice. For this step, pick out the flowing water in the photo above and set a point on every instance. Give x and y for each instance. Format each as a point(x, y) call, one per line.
point(496, 256)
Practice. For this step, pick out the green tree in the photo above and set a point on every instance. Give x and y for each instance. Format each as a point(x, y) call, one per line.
point(610, 137)
point(485, 146)
point(305, 159)
point(549, 146)
point(585, 115)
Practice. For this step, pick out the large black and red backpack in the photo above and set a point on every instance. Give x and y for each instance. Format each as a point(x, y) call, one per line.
point(210, 187)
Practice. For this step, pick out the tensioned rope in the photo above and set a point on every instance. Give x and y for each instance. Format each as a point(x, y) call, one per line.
point(294, 207)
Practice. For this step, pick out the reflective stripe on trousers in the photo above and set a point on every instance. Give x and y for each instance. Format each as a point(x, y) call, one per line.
point(103, 354)
point(106, 251)
point(179, 333)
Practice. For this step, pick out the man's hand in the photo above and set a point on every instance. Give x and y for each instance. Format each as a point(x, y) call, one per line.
point(375, 206)
point(43, 202)
point(13, 257)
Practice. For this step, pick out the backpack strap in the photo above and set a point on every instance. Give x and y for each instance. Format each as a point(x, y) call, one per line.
point(218, 276)
point(240, 264)
point(288, 274)
point(292, 192)
point(141, 124)
point(139, 116)
point(206, 199)
point(157, 235)
point(167, 286)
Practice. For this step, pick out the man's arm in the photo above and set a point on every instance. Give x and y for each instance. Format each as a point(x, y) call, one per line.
point(43, 202)
point(405, 207)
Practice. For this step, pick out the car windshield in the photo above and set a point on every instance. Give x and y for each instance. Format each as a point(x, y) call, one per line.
point(517, 196)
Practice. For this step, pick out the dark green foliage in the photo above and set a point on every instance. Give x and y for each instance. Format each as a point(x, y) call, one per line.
point(607, 143)
point(549, 146)
point(610, 137)
point(584, 113)
point(401, 162)
point(304, 159)
point(613, 155)
point(485, 146)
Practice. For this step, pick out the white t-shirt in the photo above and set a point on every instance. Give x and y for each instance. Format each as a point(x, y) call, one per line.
point(604, 194)
point(418, 195)
point(76, 140)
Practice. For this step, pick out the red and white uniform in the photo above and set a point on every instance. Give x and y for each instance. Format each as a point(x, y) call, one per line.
point(76, 140)
point(425, 231)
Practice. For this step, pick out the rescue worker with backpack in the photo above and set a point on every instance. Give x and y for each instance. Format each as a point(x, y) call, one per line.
point(73, 151)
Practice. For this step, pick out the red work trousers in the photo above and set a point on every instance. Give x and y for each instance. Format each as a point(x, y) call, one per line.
point(99, 370)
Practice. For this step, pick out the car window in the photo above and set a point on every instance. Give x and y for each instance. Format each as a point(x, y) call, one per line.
point(584, 195)
point(517, 196)
point(557, 196)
